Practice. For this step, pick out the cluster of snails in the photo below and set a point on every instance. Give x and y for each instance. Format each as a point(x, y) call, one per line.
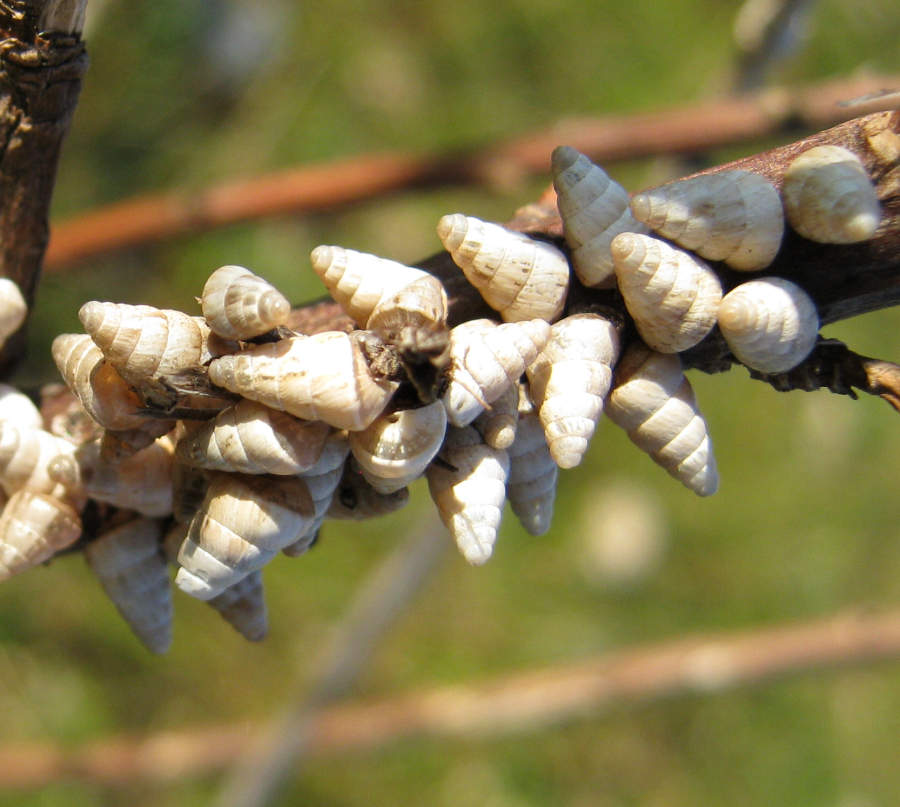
point(215, 442)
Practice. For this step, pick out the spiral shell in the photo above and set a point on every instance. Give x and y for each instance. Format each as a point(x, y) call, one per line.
point(17, 406)
point(26, 455)
point(770, 324)
point(415, 318)
point(672, 296)
point(828, 196)
point(130, 566)
point(13, 308)
point(360, 281)
point(732, 216)
point(486, 359)
point(469, 488)
point(531, 486)
point(594, 210)
point(569, 380)
point(253, 439)
point(321, 377)
point(241, 525)
point(238, 304)
point(654, 403)
point(518, 276)
point(33, 528)
point(398, 446)
point(498, 424)
point(356, 500)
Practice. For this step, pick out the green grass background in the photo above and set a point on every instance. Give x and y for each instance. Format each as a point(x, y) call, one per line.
point(806, 522)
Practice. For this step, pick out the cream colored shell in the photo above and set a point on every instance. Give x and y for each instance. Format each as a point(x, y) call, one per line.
point(654, 403)
point(26, 455)
point(594, 210)
point(398, 446)
point(321, 377)
point(33, 528)
point(486, 359)
point(13, 308)
point(828, 196)
point(531, 486)
point(243, 523)
point(238, 304)
point(569, 380)
point(414, 316)
point(360, 281)
point(732, 216)
point(518, 276)
point(17, 406)
point(252, 438)
point(498, 424)
point(129, 564)
point(469, 487)
point(672, 295)
point(770, 324)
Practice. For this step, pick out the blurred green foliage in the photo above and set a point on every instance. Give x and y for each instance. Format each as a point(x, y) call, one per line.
point(806, 523)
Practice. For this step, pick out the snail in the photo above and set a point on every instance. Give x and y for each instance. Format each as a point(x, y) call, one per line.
point(731, 216)
point(672, 295)
point(770, 324)
point(654, 403)
point(13, 308)
point(518, 276)
point(828, 196)
point(531, 486)
point(34, 527)
point(18, 407)
point(569, 380)
point(238, 304)
point(594, 210)
point(498, 424)
point(26, 455)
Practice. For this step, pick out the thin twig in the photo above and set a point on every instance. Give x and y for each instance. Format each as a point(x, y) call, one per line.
point(523, 701)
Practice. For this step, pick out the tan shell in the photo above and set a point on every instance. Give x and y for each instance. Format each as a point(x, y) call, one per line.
point(672, 295)
point(129, 564)
point(253, 439)
point(398, 446)
point(243, 523)
point(498, 424)
point(322, 481)
point(13, 308)
point(33, 528)
point(238, 304)
point(770, 324)
point(732, 216)
point(518, 276)
point(828, 196)
point(531, 486)
point(25, 458)
point(654, 403)
point(486, 359)
point(360, 281)
point(17, 406)
point(356, 500)
point(468, 487)
point(243, 606)
point(414, 317)
point(569, 380)
point(322, 377)
point(594, 210)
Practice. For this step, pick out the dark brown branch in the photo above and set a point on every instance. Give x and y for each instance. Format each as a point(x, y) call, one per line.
point(40, 78)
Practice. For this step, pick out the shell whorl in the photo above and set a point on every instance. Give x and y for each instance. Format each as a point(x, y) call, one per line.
point(770, 324)
point(518, 276)
point(672, 295)
point(732, 216)
point(34, 527)
point(828, 196)
point(238, 304)
point(531, 486)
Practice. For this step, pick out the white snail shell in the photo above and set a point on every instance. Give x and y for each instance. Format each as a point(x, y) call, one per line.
point(13, 308)
point(243, 523)
point(569, 380)
point(486, 359)
point(770, 324)
point(321, 377)
point(356, 500)
point(17, 406)
point(238, 304)
point(397, 447)
point(129, 564)
point(518, 276)
point(359, 281)
point(654, 403)
point(594, 210)
point(498, 424)
point(829, 197)
point(251, 438)
point(672, 295)
point(416, 312)
point(26, 455)
point(531, 486)
point(732, 216)
point(33, 528)
point(469, 488)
